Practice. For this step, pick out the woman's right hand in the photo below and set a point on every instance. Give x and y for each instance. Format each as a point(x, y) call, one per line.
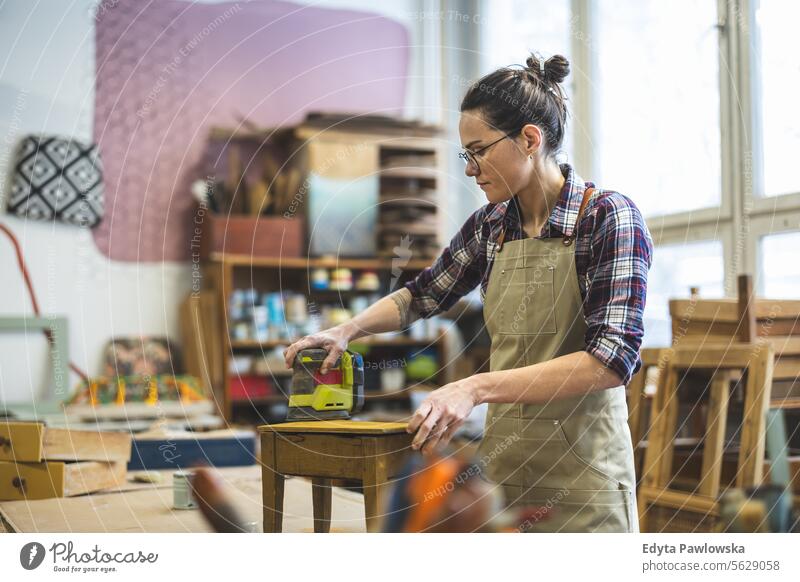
point(333, 340)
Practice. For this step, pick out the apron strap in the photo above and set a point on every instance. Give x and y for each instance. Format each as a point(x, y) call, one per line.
point(587, 194)
point(568, 240)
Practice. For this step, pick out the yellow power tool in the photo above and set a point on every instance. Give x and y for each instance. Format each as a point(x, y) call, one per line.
point(337, 394)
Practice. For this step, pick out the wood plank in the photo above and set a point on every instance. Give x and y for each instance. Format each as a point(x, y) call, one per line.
point(753, 434)
point(746, 309)
point(337, 426)
point(636, 398)
point(27, 481)
point(149, 510)
point(90, 476)
point(716, 423)
point(21, 441)
point(786, 369)
point(84, 445)
point(714, 356)
point(57, 479)
point(727, 309)
point(669, 415)
point(679, 500)
point(303, 263)
point(785, 345)
point(191, 333)
point(726, 331)
point(133, 410)
point(657, 435)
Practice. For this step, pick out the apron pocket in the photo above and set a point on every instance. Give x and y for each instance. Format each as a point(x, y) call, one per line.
point(527, 300)
point(549, 460)
point(582, 510)
point(498, 453)
point(583, 462)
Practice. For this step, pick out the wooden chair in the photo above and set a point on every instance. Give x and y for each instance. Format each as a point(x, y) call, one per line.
point(639, 403)
point(698, 321)
point(663, 506)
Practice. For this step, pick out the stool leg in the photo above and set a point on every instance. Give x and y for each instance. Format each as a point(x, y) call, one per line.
point(321, 495)
point(271, 486)
point(375, 484)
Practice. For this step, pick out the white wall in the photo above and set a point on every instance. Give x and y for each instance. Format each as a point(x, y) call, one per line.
point(46, 85)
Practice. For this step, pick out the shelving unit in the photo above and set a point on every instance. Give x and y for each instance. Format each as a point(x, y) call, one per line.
point(387, 174)
point(224, 273)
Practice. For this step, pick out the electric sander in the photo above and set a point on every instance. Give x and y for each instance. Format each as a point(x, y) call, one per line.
point(337, 394)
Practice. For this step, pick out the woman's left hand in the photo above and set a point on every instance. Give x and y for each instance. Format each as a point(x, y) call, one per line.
point(440, 415)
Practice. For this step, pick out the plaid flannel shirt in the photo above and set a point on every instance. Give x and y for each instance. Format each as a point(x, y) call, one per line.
point(613, 252)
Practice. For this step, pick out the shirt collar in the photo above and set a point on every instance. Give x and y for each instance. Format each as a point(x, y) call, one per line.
point(562, 218)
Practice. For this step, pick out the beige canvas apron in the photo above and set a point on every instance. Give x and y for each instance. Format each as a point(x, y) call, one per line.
point(572, 456)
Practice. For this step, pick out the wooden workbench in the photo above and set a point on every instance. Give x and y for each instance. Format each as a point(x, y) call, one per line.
point(147, 508)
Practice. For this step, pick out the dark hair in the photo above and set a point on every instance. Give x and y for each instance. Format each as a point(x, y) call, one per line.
point(511, 98)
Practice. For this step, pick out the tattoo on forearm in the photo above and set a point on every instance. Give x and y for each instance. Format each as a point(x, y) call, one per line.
point(402, 299)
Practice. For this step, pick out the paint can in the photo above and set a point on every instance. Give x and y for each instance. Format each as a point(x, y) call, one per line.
point(182, 497)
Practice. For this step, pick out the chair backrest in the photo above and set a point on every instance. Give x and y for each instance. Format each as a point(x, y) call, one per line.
point(698, 321)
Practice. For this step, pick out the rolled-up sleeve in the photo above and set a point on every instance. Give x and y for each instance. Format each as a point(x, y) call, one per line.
point(616, 285)
point(456, 272)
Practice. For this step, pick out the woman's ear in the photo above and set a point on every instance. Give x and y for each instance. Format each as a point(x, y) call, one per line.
point(531, 139)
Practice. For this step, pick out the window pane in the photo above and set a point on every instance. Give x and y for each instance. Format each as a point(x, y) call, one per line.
point(780, 269)
point(675, 269)
point(515, 28)
point(780, 82)
point(658, 103)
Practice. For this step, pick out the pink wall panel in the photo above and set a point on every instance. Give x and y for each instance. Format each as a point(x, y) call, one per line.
point(169, 70)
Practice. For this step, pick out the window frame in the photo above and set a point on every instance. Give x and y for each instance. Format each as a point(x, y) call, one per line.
point(743, 215)
point(740, 219)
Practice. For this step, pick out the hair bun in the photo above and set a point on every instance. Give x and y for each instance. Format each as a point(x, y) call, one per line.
point(553, 70)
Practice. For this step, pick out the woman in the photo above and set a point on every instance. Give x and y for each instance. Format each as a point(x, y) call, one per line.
point(562, 267)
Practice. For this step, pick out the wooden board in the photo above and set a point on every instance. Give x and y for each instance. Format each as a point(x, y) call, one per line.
point(21, 441)
point(34, 442)
point(148, 508)
point(727, 309)
point(84, 445)
point(337, 426)
point(29, 481)
point(175, 409)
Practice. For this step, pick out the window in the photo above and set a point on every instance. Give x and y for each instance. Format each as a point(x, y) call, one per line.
point(675, 269)
point(779, 269)
point(689, 109)
point(515, 28)
point(658, 105)
point(776, 56)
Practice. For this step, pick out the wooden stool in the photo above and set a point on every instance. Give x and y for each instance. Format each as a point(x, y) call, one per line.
point(370, 452)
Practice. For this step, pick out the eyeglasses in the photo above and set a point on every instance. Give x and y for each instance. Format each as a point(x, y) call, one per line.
point(469, 156)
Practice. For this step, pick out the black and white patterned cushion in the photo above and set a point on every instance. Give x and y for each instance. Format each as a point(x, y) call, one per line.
point(57, 179)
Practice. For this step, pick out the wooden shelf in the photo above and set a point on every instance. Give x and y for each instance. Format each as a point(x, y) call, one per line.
point(375, 264)
point(410, 173)
point(399, 341)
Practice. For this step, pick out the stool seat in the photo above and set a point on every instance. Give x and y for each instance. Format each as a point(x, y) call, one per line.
point(370, 452)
